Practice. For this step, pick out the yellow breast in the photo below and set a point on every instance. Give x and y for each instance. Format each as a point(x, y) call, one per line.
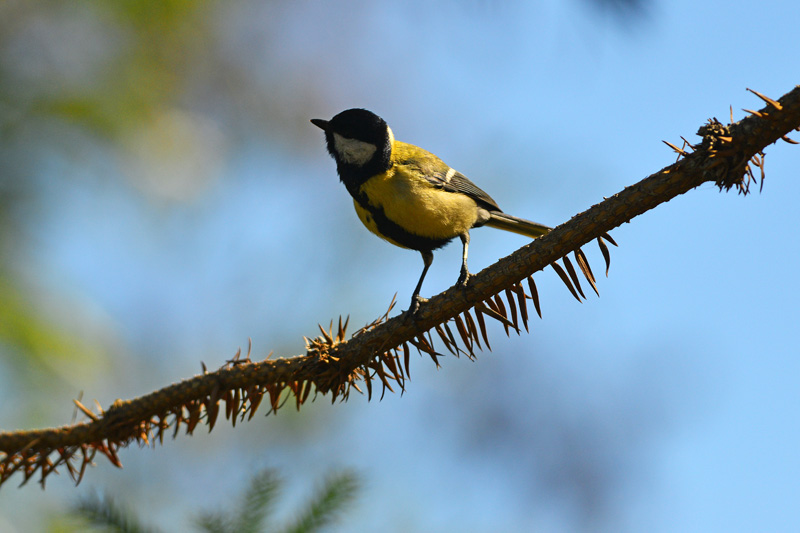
point(415, 205)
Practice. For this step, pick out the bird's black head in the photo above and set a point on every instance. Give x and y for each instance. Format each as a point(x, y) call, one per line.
point(359, 140)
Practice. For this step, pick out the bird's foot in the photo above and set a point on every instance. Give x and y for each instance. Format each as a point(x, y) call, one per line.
point(416, 300)
point(463, 279)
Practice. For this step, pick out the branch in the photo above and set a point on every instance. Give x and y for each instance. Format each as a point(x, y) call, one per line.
point(332, 365)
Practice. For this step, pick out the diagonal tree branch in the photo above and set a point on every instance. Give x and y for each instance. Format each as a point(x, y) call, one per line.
point(726, 156)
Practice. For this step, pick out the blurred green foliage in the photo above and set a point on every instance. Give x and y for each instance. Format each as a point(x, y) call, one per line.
point(74, 74)
point(253, 513)
point(44, 344)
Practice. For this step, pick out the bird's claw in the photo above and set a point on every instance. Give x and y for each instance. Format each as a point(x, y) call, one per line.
point(415, 303)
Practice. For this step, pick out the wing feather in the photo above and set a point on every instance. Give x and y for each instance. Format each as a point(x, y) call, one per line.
point(440, 175)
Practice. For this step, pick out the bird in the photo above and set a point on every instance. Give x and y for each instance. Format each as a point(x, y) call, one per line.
point(407, 195)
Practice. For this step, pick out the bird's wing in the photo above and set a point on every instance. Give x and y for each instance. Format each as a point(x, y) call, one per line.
point(442, 176)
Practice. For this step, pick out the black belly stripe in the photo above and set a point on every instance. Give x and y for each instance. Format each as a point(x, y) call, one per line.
point(394, 231)
point(353, 178)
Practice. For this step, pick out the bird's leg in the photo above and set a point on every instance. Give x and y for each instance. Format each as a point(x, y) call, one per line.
point(416, 299)
point(464, 277)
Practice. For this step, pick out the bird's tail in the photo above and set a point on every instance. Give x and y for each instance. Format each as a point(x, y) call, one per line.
point(506, 222)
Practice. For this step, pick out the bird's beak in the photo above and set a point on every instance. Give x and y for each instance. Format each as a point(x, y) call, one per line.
point(321, 124)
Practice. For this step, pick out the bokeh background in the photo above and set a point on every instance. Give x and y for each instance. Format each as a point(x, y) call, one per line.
point(163, 197)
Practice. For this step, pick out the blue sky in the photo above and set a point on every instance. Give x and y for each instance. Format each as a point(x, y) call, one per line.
point(670, 403)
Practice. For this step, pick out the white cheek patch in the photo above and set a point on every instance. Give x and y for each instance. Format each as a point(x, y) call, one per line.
point(353, 151)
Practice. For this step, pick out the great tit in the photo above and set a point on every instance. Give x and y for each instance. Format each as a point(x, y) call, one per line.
point(407, 195)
